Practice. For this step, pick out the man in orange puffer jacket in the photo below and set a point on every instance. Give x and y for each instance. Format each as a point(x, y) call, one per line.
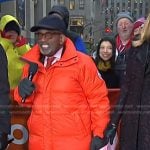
point(70, 107)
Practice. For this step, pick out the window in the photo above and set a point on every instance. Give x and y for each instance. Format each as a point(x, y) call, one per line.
point(118, 7)
point(76, 24)
point(106, 22)
point(81, 4)
point(72, 4)
point(135, 4)
point(146, 8)
point(106, 2)
point(129, 3)
point(77, 21)
point(140, 8)
point(61, 2)
point(20, 12)
point(123, 6)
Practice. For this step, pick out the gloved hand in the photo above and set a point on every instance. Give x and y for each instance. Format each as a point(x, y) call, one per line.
point(97, 143)
point(110, 132)
point(3, 141)
point(25, 88)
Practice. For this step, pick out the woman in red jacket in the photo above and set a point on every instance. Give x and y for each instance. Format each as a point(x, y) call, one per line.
point(69, 99)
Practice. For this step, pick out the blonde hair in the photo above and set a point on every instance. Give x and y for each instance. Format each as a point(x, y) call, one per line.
point(145, 34)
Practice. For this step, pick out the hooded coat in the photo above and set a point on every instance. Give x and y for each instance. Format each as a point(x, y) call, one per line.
point(13, 52)
point(69, 104)
point(135, 123)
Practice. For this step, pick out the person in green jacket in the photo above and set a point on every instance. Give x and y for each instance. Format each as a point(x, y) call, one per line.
point(14, 45)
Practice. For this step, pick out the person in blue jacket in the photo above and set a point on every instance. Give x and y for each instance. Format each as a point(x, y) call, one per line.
point(62, 12)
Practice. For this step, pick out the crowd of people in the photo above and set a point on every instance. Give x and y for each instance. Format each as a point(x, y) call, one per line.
point(68, 90)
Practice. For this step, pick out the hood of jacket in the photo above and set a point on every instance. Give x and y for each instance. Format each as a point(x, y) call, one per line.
point(6, 19)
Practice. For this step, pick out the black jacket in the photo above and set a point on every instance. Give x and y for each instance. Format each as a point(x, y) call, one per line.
point(110, 78)
point(135, 122)
point(4, 94)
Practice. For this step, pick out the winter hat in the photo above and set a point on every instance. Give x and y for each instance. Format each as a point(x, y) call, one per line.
point(12, 26)
point(139, 22)
point(62, 11)
point(50, 23)
point(124, 15)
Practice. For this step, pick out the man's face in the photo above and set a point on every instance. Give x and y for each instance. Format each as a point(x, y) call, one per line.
point(50, 41)
point(124, 28)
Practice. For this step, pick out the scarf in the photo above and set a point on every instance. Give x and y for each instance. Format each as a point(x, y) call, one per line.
point(104, 66)
point(119, 45)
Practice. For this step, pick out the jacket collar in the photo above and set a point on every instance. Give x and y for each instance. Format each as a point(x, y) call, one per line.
point(69, 56)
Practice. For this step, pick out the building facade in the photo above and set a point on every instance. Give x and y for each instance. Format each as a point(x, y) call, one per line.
point(110, 9)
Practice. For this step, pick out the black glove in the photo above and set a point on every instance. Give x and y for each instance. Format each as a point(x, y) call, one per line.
point(25, 88)
point(110, 132)
point(3, 141)
point(97, 143)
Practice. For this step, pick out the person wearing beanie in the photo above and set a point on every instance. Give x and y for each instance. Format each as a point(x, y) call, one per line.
point(124, 15)
point(124, 25)
point(68, 97)
point(62, 12)
point(15, 45)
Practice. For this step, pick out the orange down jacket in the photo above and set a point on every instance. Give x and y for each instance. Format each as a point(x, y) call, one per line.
point(69, 103)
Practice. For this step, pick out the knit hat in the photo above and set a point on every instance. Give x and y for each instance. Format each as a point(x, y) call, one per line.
point(12, 26)
point(139, 22)
point(124, 15)
point(62, 11)
point(50, 23)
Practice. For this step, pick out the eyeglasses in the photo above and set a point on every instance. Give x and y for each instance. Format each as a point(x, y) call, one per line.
point(47, 35)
